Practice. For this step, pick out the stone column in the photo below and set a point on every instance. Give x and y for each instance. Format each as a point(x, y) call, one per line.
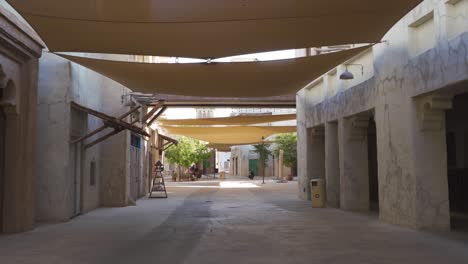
point(430, 162)
point(332, 165)
point(354, 174)
point(302, 159)
point(317, 154)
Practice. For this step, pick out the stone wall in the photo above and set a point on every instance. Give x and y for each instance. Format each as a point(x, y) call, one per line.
point(19, 53)
point(64, 169)
point(407, 94)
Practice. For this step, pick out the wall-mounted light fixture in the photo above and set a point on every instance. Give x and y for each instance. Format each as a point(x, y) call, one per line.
point(347, 75)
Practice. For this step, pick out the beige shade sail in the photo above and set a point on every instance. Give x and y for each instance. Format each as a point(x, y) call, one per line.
point(227, 147)
point(208, 28)
point(240, 79)
point(238, 135)
point(233, 120)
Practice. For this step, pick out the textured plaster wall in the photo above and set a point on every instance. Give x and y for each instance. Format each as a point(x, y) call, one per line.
point(412, 160)
point(61, 82)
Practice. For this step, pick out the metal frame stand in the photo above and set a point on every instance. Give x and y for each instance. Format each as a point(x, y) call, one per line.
point(158, 185)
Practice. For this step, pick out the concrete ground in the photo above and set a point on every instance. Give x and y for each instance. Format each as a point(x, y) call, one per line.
point(236, 222)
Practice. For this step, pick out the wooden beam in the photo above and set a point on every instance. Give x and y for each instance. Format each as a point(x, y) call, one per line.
point(101, 139)
point(102, 128)
point(170, 145)
point(153, 111)
point(157, 116)
point(168, 139)
point(111, 121)
point(165, 144)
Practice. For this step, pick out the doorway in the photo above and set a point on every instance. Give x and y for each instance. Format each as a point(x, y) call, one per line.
point(457, 162)
point(253, 167)
point(2, 159)
point(78, 128)
point(135, 165)
point(373, 166)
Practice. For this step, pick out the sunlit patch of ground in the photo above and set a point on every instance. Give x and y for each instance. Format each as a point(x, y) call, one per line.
point(222, 185)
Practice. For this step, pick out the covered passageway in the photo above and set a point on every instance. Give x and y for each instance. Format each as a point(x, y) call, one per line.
point(217, 105)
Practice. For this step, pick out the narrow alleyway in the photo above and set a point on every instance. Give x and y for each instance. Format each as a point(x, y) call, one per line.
point(204, 222)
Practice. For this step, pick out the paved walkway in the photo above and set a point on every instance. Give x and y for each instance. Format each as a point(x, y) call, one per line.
point(234, 223)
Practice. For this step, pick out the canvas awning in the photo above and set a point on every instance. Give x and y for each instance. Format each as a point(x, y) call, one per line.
point(232, 121)
point(240, 79)
point(238, 135)
point(208, 28)
point(227, 147)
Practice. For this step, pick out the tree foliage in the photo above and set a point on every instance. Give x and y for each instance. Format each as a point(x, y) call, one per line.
point(187, 152)
point(264, 153)
point(287, 143)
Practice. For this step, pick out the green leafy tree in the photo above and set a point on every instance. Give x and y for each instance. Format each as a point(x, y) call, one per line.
point(187, 152)
point(287, 143)
point(264, 153)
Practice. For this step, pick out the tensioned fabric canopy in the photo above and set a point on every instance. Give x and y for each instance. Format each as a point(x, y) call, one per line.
point(233, 120)
point(238, 135)
point(208, 28)
point(227, 147)
point(240, 79)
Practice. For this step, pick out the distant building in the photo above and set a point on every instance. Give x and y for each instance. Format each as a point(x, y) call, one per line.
point(205, 113)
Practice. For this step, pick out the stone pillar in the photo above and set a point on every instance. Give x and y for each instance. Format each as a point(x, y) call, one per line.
point(413, 184)
point(430, 162)
point(316, 155)
point(332, 165)
point(302, 159)
point(354, 173)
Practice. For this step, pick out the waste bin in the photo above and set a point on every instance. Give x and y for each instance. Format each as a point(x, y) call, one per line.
point(317, 191)
point(222, 175)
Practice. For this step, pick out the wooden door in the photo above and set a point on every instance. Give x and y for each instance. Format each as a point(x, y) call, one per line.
point(253, 166)
point(135, 166)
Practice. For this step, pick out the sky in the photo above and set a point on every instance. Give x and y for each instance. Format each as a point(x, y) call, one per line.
point(264, 56)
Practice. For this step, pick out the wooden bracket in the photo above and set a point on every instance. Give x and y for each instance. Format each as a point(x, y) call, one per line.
point(104, 127)
point(116, 123)
point(163, 109)
point(168, 146)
